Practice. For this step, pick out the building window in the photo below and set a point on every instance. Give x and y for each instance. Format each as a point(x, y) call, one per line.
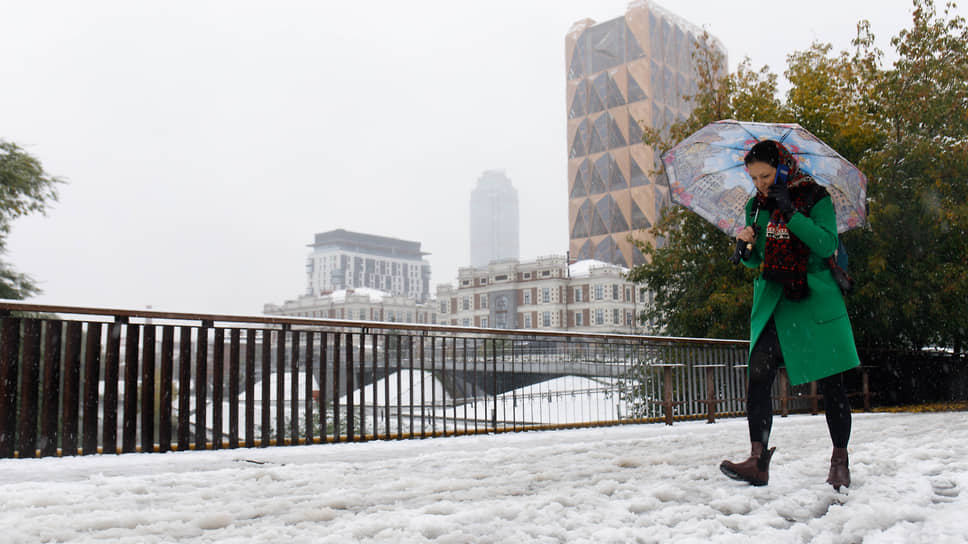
point(546, 319)
point(628, 319)
point(483, 281)
point(443, 307)
point(466, 302)
point(546, 295)
point(545, 273)
point(615, 318)
point(501, 277)
point(465, 283)
point(577, 294)
point(484, 302)
point(614, 292)
point(599, 316)
point(466, 322)
point(527, 321)
point(527, 275)
point(628, 294)
point(390, 316)
point(578, 319)
point(410, 317)
point(483, 322)
point(527, 296)
point(599, 292)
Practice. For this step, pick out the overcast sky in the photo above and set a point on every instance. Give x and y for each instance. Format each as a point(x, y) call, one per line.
point(205, 142)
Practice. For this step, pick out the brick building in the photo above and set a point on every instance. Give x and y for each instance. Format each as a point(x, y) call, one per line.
point(546, 293)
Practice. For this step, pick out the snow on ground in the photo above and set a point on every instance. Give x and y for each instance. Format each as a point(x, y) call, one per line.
point(559, 401)
point(635, 483)
point(426, 387)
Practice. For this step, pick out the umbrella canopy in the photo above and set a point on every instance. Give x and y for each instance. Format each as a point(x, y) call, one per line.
point(707, 174)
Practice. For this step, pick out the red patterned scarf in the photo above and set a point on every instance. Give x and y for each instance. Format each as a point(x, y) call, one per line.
point(785, 259)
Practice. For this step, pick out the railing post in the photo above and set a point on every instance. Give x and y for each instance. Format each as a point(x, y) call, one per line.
point(164, 416)
point(147, 384)
point(265, 392)
point(865, 387)
point(92, 374)
point(494, 356)
point(667, 393)
point(336, 384)
point(350, 405)
point(362, 375)
point(129, 423)
point(710, 395)
point(423, 392)
point(51, 389)
point(281, 386)
point(309, 373)
point(9, 355)
point(218, 389)
point(201, 386)
point(784, 393)
point(29, 376)
point(294, 340)
point(235, 346)
point(250, 387)
point(184, 387)
point(814, 405)
point(386, 384)
point(112, 361)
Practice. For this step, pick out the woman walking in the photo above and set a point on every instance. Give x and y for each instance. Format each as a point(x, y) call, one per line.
point(799, 319)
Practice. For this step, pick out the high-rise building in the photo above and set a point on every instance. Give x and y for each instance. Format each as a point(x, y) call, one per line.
point(342, 259)
point(623, 74)
point(494, 219)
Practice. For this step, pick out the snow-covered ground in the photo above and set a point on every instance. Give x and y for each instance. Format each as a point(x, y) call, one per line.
point(636, 483)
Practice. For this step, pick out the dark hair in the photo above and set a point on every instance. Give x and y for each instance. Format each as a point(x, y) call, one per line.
point(765, 151)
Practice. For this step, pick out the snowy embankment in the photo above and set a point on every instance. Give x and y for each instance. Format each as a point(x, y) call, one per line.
point(641, 483)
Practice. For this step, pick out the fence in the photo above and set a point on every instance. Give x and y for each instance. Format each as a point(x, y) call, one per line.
point(76, 381)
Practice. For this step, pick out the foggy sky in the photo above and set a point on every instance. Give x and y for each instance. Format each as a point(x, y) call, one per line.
point(205, 143)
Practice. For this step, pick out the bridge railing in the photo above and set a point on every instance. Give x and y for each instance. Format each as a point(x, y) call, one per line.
point(77, 381)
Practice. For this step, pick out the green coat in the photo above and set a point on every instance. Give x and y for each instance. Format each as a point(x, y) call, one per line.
point(815, 334)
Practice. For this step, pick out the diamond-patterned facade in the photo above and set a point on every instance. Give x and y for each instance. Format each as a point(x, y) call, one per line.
point(622, 74)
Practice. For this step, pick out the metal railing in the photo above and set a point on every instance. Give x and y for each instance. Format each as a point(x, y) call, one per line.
point(76, 381)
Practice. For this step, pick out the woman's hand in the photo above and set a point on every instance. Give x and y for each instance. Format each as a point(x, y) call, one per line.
point(747, 235)
point(744, 245)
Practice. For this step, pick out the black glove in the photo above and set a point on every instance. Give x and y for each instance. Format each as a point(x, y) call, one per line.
point(742, 252)
point(781, 195)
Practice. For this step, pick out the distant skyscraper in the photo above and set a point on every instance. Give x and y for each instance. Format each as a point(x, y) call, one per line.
point(620, 73)
point(494, 219)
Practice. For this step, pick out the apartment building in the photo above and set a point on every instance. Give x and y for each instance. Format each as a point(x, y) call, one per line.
point(363, 304)
point(547, 293)
point(622, 75)
point(342, 259)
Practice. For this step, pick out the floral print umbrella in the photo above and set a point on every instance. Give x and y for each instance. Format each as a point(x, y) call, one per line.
point(707, 174)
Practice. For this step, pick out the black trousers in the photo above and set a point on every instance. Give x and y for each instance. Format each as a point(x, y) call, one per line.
point(765, 359)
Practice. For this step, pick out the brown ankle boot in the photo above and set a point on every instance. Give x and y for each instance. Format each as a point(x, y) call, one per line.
point(755, 470)
point(839, 475)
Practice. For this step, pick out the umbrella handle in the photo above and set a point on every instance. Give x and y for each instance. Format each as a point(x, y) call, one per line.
point(743, 249)
point(741, 252)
